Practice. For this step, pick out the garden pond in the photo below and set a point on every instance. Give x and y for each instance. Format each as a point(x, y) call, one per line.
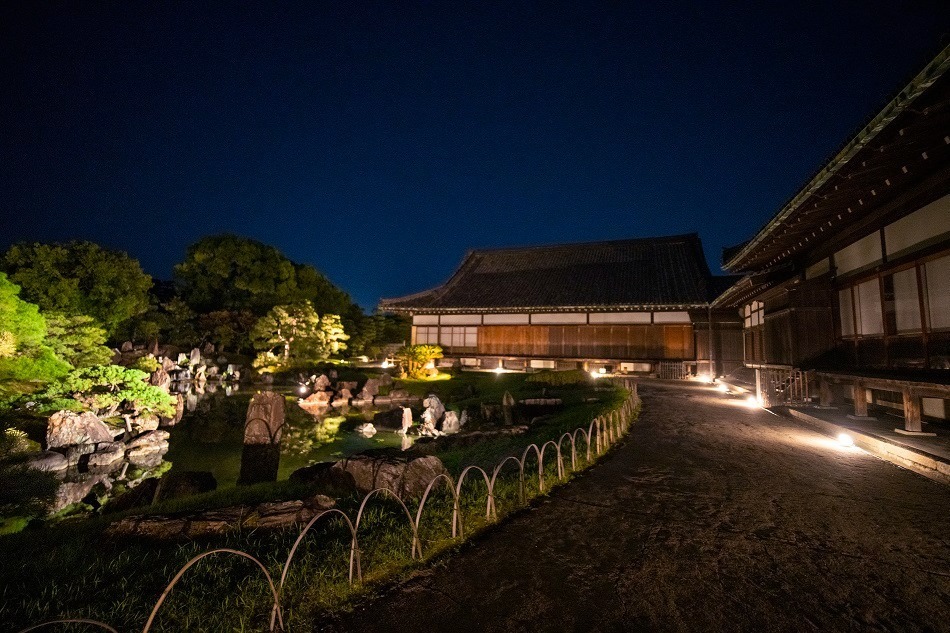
point(210, 436)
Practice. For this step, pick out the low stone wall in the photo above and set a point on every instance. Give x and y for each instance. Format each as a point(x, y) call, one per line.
point(910, 458)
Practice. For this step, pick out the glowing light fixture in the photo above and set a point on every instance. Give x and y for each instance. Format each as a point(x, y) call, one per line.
point(303, 389)
point(386, 364)
point(845, 440)
point(723, 387)
point(602, 371)
point(752, 402)
point(499, 370)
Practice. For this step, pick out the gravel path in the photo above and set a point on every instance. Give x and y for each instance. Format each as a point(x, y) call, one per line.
point(710, 516)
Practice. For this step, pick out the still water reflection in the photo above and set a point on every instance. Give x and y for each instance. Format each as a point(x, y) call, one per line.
point(210, 436)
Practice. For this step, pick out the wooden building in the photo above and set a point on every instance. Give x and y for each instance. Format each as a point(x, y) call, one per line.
point(851, 278)
point(633, 306)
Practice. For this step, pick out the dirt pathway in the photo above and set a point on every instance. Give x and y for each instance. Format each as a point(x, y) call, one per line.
point(711, 516)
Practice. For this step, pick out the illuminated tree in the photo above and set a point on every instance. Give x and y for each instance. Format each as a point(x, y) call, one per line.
point(414, 358)
point(295, 334)
point(80, 278)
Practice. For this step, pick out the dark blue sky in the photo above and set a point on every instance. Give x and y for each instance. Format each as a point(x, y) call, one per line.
point(380, 141)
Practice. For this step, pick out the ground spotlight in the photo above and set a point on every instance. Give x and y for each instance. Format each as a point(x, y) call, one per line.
point(845, 440)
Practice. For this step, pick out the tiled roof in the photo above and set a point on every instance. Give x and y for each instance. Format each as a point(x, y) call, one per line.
point(654, 272)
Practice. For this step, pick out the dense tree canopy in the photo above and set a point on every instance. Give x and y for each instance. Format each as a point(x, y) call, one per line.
point(80, 278)
point(24, 354)
point(107, 390)
point(78, 340)
point(291, 335)
point(237, 273)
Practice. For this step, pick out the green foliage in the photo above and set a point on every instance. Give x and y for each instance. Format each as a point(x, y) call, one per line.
point(147, 363)
point(24, 356)
point(80, 278)
point(107, 390)
point(227, 329)
point(373, 332)
point(560, 378)
point(237, 273)
point(39, 365)
point(20, 322)
point(414, 358)
point(292, 335)
point(78, 340)
point(178, 322)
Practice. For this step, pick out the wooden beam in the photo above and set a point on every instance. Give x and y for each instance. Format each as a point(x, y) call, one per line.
point(860, 400)
point(825, 394)
point(911, 411)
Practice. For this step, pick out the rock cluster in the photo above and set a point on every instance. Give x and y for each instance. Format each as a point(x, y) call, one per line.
point(91, 456)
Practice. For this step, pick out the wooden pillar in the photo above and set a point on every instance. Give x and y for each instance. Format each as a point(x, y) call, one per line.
point(860, 400)
point(758, 388)
point(911, 411)
point(825, 395)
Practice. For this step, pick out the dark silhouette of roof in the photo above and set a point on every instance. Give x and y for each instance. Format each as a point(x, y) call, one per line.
point(645, 272)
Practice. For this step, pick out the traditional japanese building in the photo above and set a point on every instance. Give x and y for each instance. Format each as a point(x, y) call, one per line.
point(634, 306)
point(851, 278)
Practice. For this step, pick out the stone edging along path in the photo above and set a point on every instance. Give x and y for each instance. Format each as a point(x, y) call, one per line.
point(599, 436)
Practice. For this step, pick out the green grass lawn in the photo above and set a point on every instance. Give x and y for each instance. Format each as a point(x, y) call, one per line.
point(74, 570)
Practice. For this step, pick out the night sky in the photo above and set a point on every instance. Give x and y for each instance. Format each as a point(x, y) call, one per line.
point(380, 141)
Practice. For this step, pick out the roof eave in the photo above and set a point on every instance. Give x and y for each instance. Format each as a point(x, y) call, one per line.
point(896, 106)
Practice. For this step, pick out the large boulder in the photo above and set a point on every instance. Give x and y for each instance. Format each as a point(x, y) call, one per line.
point(107, 454)
point(316, 400)
point(391, 419)
point(77, 452)
point(406, 476)
point(145, 422)
point(450, 423)
point(48, 461)
point(435, 407)
point(322, 383)
point(326, 478)
point(160, 378)
point(342, 399)
point(346, 384)
point(146, 451)
point(370, 390)
point(175, 485)
point(67, 428)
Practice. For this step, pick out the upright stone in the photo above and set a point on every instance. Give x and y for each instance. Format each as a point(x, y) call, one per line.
point(195, 356)
point(507, 407)
point(265, 419)
point(160, 379)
